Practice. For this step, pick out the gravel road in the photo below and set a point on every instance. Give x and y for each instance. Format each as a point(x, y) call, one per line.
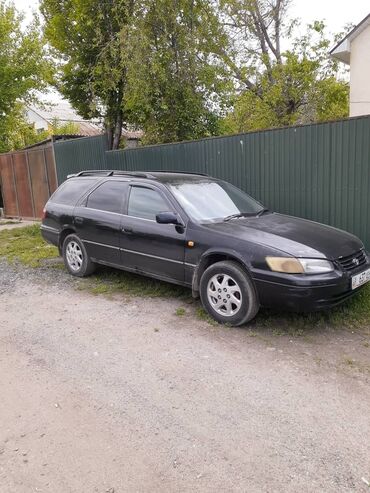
point(121, 395)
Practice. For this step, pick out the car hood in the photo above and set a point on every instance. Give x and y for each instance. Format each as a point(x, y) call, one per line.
point(292, 235)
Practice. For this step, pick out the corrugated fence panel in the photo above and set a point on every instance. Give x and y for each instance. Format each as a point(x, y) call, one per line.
point(22, 179)
point(39, 180)
point(8, 186)
point(76, 155)
point(320, 172)
point(350, 177)
point(27, 180)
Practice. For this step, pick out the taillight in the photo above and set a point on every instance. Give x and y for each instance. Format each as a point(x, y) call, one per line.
point(43, 213)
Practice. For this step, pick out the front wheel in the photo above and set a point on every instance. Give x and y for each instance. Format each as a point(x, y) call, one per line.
point(75, 257)
point(228, 293)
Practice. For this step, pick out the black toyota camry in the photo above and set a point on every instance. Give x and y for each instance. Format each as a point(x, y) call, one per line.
point(206, 234)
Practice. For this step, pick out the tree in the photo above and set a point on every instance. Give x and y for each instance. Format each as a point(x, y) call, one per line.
point(24, 68)
point(173, 67)
point(91, 38)
point(175, 85)
point(276, 87)
point(19, 132)
point(63, 128)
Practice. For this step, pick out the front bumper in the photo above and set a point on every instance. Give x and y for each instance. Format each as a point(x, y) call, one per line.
point(305, 293)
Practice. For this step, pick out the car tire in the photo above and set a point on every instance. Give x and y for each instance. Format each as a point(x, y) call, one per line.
point(76, 258)
point(228, 294)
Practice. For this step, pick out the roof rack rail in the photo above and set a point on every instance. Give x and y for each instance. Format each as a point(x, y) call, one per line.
point(91, 172)
point(111, 172)
point(135, 174)
point(178, 172)
point(87, 173)
point(138, 174)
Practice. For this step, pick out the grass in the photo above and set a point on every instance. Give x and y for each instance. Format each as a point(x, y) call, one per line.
point(356, 365)
point(348, 361)
point(108, 282)
point(353, 314)
point(201, 314)
point(26, 246)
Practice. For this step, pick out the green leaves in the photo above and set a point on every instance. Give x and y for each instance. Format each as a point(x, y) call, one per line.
point(279, 88)
point(90, 37)
point(24, 69)
point(175, 68)
point(174, 80)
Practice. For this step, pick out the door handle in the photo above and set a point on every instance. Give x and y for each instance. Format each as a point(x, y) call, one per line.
point(127, 230)
point(79, 220)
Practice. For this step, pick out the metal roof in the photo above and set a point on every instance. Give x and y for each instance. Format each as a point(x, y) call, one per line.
point(54, 138)
point(64, 113)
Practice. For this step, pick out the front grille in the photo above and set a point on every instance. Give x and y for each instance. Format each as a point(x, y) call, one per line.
point(352, 262)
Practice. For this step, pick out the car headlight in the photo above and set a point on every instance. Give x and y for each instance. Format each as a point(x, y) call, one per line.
point(290, 265)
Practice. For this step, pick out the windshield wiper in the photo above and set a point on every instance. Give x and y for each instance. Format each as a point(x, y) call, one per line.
point(239, 214)
point(262, 211)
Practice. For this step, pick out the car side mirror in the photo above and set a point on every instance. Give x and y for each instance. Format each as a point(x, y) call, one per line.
point(168, 218)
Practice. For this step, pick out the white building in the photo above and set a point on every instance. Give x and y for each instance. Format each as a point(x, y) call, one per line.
point(354, 50)
point(43, 118)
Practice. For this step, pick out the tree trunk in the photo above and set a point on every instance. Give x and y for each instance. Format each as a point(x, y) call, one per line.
point(117, 131)
point(109, 131)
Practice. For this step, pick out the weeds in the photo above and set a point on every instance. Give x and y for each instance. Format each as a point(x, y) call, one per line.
point(26, 246)
point(108, 281)
point(203, 315)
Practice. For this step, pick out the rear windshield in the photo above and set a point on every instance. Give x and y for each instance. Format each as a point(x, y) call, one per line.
point(71, 190)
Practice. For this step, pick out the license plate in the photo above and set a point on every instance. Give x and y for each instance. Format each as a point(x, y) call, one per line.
point(360, 279)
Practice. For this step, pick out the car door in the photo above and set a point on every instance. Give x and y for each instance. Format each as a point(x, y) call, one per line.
point(98, 221)
point(146, 245)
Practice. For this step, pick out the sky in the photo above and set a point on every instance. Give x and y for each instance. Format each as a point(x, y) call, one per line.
point(336, 12)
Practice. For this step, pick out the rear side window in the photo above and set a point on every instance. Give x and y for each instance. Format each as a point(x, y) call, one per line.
point(108, 197)
point(71, 191)
point(146, 203)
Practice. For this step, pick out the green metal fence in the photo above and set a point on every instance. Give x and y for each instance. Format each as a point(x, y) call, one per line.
point(76, 155)
point(320, 172)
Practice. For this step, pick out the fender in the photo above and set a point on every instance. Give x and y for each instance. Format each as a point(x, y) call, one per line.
point(62, 235)
point(228, 253)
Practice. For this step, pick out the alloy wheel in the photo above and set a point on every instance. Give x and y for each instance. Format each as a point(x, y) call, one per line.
point(224, 295)
point(74, 256)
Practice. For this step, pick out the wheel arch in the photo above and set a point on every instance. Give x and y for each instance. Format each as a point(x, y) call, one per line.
point(67, 230)
point(211, 257)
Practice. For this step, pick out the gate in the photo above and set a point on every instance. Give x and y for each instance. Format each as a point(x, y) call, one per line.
point(27, 179)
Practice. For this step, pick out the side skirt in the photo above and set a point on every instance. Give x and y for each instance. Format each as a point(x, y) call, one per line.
point(142, 273)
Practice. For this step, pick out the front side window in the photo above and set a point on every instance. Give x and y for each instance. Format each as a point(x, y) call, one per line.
point(108, 197)
point(208, 200)
point(146, 203)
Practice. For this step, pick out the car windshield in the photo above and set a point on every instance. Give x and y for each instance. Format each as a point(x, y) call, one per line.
point(214, 200)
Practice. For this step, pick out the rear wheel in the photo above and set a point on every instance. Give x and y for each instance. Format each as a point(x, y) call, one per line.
point(228, 293)
point(75, 257)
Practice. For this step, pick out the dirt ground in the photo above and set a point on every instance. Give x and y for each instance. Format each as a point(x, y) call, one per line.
point(13, 224)
point(122, 395)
